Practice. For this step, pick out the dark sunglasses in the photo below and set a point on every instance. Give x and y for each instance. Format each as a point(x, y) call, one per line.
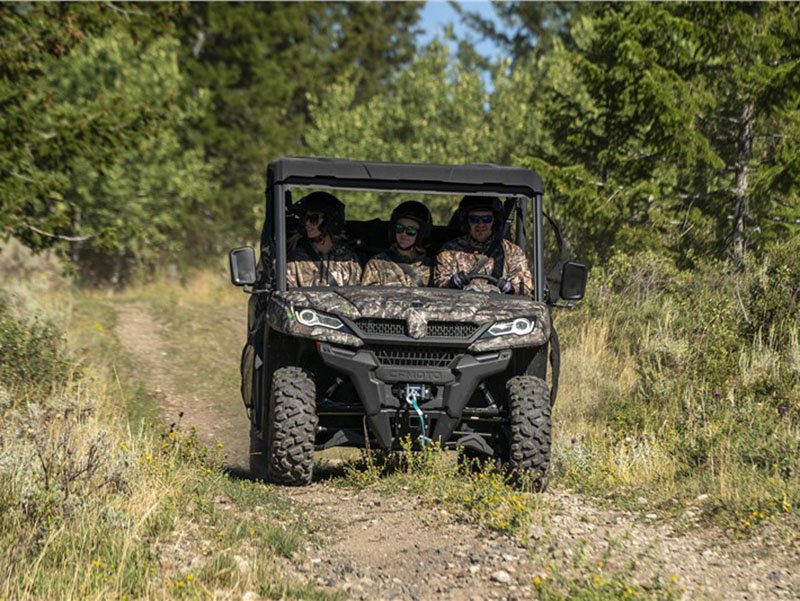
point(313, 217)
point(399, 228)
point(481, 218)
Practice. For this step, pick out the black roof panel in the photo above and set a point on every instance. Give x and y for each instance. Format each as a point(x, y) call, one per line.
point(343, 173)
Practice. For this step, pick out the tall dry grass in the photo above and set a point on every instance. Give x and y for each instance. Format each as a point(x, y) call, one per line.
point(678, 385)
point(94, 505)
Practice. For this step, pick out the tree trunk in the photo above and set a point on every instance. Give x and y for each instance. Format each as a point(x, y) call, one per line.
point(745, 149)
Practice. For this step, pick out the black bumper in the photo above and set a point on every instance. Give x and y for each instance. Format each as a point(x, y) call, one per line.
point(372, 380)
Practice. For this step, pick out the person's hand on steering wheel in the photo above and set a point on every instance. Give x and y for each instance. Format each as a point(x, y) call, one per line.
point(505, 286)
point(459, 279)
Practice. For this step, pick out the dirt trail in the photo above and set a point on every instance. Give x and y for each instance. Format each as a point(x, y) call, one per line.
point(378, 547)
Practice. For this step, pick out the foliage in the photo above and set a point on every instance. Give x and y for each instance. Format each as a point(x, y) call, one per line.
point(478, 493)
point(260, 62)
point(431, 99)
point(32, 357)
point(646, 154)
point(95, 161)
point(94, 507)
point(694, 397)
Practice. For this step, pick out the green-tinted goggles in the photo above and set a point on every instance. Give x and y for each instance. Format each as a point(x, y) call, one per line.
point(399, 228)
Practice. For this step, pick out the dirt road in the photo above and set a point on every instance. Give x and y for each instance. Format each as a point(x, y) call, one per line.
point(377, 547)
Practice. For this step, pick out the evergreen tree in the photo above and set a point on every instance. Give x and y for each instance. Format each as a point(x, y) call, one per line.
point(262, 61)
point(92, 159)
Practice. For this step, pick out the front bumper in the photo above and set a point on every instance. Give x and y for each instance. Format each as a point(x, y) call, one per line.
point(373, 373)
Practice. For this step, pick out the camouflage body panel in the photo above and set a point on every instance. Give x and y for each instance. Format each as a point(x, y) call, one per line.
point(281, 316)
point(416, 306)
point(305, 271)
point(463, 253)
point(384, 270)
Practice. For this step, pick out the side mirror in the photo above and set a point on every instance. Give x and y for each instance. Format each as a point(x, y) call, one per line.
point(243, 266)
point(573, 281)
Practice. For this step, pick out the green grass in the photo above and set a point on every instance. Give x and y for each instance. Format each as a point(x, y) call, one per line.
point(669, 393)
point(99, 500)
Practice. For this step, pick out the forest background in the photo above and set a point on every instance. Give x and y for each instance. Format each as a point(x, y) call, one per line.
point(137, 134)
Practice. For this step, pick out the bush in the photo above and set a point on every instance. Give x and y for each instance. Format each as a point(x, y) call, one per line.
point(32, 356)
point(706, 372)
point(773, 294)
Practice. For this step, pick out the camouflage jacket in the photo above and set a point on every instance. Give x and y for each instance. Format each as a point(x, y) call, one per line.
point(463, 253)
point(339, 268)
point(393, 269)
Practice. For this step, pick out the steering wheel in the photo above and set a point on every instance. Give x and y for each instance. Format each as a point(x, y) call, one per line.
point(483, 276)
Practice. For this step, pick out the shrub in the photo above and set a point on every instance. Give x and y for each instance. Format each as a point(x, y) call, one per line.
point(706, 367)
point(32, 356)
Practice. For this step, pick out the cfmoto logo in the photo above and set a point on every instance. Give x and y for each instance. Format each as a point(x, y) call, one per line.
point(418, 375)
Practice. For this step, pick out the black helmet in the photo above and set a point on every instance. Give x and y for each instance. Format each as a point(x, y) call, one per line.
point(327, 204)
point(412, 209)
point(480, 203)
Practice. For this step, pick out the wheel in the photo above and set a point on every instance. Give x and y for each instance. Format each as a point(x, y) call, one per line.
point(529, 431)
point(288, 429)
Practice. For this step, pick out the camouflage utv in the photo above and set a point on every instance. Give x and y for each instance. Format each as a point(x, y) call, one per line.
point(370, 366)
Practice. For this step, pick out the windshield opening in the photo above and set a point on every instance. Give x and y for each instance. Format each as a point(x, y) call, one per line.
point(344, 238)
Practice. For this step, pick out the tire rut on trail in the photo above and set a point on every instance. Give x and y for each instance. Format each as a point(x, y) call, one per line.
point(377, 546)
point(217, 420)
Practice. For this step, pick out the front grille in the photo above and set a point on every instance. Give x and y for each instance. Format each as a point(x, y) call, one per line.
point(413, 357)
point(386, 327)
point(451, 329)
point(397, 327)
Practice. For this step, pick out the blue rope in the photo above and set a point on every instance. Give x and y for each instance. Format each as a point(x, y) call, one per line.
point(413, 401)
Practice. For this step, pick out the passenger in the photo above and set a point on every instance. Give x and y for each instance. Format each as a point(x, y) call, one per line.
point(481, 219)
point(319, 258)
point(405, 263)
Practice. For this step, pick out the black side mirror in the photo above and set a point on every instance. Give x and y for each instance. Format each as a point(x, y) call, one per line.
point(243, 266)
point(573, 281)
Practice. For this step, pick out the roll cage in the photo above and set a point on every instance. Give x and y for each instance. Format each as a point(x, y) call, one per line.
point(517, 184)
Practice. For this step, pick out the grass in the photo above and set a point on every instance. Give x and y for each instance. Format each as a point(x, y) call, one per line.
point(98, 500)
point(670, 395)
point(480, 496)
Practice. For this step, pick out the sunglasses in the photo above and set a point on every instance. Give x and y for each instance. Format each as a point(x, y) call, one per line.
point(408, 229)
point(313, 217)
point(481, 219)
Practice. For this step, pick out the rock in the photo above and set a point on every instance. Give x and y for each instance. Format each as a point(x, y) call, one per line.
point(242, 564)
point(501, 576)
point(473, 569)
point(251, 596)
point(753, 586)
point(651, 516)
point(641, 501)
point(701, 498)
point(316, 560)
point(536, 532)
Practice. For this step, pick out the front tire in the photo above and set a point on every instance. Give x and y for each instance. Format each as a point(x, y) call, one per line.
point(289, 428)
point(529, 431)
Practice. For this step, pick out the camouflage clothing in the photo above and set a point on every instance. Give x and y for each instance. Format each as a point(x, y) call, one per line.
point(390, 268)
point(463, 253)
point(305, 267)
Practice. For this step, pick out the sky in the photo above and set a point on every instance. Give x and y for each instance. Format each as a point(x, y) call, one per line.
point(437, 14)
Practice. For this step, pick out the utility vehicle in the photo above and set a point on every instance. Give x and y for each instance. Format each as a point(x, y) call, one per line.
point(370, 366)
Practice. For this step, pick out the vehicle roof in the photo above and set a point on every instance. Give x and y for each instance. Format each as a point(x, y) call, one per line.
point(343, 173)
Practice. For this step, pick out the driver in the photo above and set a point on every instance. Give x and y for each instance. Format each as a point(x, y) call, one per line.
point(405, 263)
point(319, 258)
point(480, 218)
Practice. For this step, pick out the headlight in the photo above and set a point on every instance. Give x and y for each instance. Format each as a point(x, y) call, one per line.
point(309, 317)
point(519, 327)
